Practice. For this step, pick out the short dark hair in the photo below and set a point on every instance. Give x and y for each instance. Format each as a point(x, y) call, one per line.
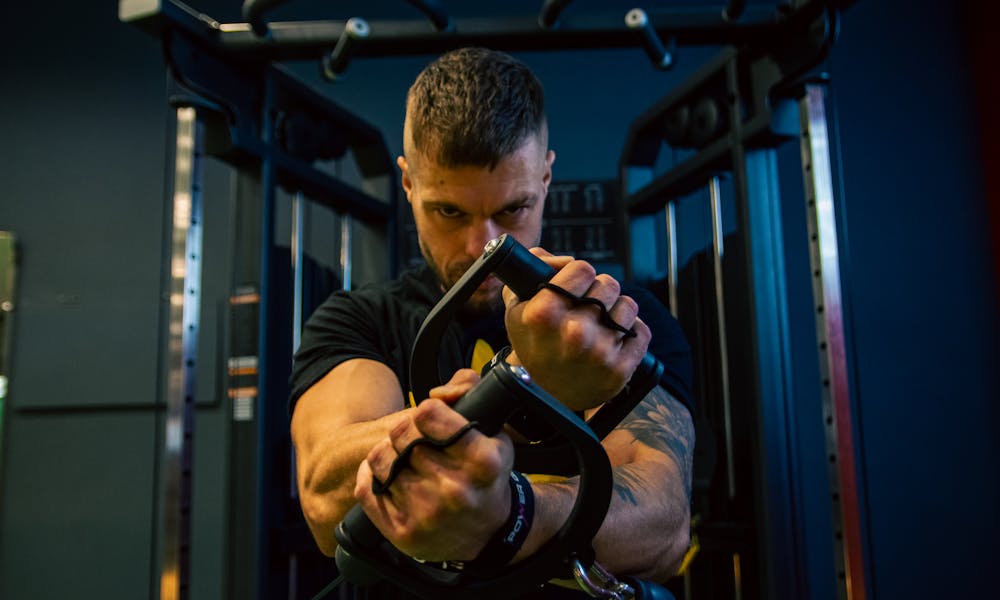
point(473, 107)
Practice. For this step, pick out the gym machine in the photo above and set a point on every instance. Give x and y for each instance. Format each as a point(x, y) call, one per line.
point(727, 123)
point(235, 101)
point(279, 136)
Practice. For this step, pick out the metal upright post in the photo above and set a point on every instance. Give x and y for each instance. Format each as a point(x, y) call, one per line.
point(266, 326)
point(299, 202)
point(174, 523)
point(346, 254)
point(779, 496)
point(671, 222)
point(715, 204)
point(845, 491)
point(8, 272)
point(298, 254)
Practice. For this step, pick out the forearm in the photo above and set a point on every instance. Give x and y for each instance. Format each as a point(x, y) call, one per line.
point(646, 530)
point(623, 544)
point(327, 472)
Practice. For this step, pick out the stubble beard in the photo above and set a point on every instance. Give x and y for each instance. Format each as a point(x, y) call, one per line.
point(482, 302)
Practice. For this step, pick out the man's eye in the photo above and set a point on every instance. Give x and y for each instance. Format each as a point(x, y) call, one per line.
point(514, 210)
point(449, 212)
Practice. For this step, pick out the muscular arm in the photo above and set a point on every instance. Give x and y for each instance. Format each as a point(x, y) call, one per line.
point(449, 501)
point(334, 426)
point(646, 531)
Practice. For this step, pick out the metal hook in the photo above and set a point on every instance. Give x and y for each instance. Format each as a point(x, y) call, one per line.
point(436, 12)
point(549, 16)
point(662, 57)
point(253, 12)
point(599, 583)
point(335, 63)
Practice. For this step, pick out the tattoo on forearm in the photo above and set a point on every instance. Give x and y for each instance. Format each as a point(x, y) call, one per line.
point(663, 423)
point(626, 480)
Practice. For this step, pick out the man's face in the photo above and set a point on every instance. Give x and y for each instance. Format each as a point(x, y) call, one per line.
point(457, 210)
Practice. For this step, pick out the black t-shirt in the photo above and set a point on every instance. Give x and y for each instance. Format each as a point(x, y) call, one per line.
point(381, 321)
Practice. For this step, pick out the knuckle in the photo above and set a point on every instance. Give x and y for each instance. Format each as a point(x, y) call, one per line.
point(629, 303)
point(486, 462)
point(642, 333)
point(465, 376)
point(426, 413)
point(378, 453)
point(583, 268)
point(422, 455)
point(405, 535)
point(541, 314)
point(575, 333)
point(609, 282)
point(454, 495)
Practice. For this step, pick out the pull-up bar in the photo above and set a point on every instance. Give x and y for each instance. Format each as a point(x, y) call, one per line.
point(253, 12)
point(735, 24)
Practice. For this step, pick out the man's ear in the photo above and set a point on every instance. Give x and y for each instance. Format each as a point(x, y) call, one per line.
point(404, 176)
point(550, 158)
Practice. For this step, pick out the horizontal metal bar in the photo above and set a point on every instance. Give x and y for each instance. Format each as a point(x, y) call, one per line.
point(300, 40)
point(694, 172)
point(321, 188)
point(303, 40)
point(329, 191)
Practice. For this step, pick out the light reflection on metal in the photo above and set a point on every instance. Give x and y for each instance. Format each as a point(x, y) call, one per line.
point(718, 250)
point(823, 250)
point(671, 216)
point(181, 345)
point(345, 249)
point(298, 222)
point(737, 577)
point(8, 268)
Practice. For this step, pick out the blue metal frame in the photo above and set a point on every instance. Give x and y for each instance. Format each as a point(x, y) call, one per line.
point(745, 101)
point(248, 110)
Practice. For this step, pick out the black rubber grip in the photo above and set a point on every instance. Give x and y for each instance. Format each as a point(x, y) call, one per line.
point(523, 272)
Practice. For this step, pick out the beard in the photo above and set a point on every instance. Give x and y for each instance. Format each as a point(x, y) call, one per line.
point(483, 301)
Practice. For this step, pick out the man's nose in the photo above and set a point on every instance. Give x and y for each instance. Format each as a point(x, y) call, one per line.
point(479, 234)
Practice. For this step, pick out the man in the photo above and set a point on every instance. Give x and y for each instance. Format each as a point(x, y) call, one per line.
point(476, 164)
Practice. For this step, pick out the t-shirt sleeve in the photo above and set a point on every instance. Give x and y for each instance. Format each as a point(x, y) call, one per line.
point(668, 344)
point(342, 328)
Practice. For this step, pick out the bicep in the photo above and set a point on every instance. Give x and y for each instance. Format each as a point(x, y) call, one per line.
point(354, 391)
point(659, 429)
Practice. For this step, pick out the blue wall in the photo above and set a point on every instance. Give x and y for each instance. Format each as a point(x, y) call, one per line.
point(924, 298)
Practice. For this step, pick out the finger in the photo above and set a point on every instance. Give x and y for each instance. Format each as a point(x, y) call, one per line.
point(624, 312)
point(380, 459)
point(575, 277)
point(509, 297)
point(604, 289)
point(380, 509)
point(432, 419)
point(436, 420)
point(363, 482)
point(461, 382)
point(481, 457)
point(554, 261)
point(636, 347)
